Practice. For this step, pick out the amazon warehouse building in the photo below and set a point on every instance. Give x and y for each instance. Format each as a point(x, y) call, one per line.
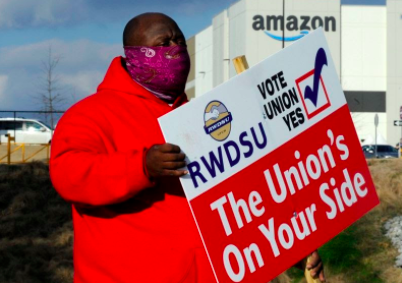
point(365, 44)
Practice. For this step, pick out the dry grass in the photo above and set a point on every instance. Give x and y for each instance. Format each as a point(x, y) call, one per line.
point(35, 227)
point(387, 176)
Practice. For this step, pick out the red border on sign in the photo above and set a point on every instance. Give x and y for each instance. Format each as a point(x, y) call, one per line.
point(323, 107)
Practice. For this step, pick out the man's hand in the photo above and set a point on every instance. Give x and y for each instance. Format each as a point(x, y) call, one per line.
point(315, 266)
point(165, 160)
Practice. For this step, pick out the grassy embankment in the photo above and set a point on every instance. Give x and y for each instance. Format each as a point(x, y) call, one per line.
point(361, 253)
point(35, 227)
point(36, 232)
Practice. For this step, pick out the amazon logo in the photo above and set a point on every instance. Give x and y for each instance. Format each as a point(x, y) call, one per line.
point(270, 24)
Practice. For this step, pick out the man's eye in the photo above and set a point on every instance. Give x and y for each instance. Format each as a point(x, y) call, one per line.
point(164, 43)
point(181, 42)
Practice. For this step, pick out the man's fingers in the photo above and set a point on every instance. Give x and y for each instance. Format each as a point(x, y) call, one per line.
point(322, 276)
point(169, 157)
point(174, 173)
point(315, 266)
point(174, 165)
point(313, 260)
point(315, 271)
point(169, 148)
point(164, 160)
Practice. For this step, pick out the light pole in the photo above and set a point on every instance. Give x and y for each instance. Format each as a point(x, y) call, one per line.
point(400, 141)
point(375, 141)
point(283, 24)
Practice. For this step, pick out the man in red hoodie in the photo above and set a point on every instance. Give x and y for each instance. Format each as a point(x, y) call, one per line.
point(131, 220)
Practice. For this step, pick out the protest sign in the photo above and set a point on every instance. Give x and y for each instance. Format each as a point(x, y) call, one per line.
point(275, 165)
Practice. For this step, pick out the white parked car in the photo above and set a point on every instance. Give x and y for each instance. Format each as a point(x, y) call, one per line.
point(24, 130)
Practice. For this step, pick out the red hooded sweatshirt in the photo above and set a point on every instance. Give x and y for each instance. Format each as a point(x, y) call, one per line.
point(126, 228)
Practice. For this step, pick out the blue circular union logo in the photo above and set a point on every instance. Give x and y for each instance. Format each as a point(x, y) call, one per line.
point(217, 120)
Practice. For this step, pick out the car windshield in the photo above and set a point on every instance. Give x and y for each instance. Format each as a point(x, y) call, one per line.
point(368, 148)
point(380, 148)
point(45, 124)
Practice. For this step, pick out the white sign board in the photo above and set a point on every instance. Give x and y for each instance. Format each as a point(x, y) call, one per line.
point(275, 165)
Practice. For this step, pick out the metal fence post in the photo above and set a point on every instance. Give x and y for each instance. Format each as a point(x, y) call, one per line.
point(10, 138)
point(23, 152)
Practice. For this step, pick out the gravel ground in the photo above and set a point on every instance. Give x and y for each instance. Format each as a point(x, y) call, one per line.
point(394, 233)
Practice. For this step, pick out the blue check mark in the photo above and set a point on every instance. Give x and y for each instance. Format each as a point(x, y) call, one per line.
point(320, 61)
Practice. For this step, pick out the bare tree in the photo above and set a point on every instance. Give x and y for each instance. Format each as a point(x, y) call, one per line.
point(49, 96)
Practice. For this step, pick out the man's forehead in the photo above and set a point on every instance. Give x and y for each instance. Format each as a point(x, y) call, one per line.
point(156, 28)
point(149, 26)
point(159, 29)
point(157, 24)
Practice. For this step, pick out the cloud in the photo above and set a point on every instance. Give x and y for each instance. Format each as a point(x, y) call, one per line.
point(18, 14)
point(45, 13)
point(81, 68)
point(82, 82)
point(83, 62)
point(3, 85)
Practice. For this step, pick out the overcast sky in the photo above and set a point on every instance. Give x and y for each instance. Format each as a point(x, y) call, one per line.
point(87, 36)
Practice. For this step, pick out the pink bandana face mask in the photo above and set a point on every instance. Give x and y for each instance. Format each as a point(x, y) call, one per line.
point(161, 70)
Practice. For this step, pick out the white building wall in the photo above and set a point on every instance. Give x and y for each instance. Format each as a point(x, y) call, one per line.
point(363, 51)
point(364, 43)
point(221, 61)
point(358, 47)
point(237, 32)
point(203, 61)
point(394, 67)
point(233, 34)
point(259, 45)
